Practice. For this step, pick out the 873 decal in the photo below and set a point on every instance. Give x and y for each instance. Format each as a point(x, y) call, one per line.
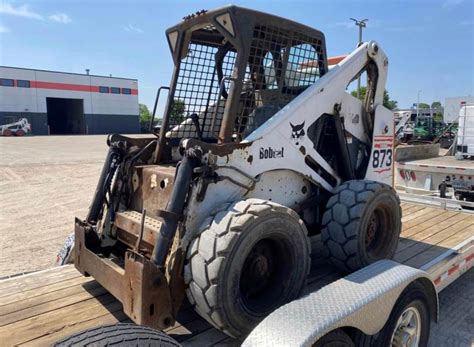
point(382, 158)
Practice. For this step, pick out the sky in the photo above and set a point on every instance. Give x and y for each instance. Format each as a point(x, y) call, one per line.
point(429, 43)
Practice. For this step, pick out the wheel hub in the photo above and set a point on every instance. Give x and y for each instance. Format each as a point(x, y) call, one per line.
point(259, 266)
point(371, 231)
point(258, 270)
point(408, 329)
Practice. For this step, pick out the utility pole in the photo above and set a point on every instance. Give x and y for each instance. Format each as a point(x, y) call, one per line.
point(418, 104)
point(361, 24)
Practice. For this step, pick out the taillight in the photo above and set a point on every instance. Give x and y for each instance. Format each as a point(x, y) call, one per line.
point(402, 174)
point(413, 175)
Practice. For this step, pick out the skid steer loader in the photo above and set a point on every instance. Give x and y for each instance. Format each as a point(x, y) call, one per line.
point(260, 146)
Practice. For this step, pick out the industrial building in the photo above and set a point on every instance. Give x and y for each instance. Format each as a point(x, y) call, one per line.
point(68, 103)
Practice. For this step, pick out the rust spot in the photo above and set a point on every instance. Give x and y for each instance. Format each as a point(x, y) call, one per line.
point(250, 159)
point(220, 150)
point(303, 150)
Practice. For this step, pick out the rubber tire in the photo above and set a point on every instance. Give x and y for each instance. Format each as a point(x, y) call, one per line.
point(336, 338)
point(7, 132)
point(414, 295)
point(121, 334)
point(215, 259)
point(345, 222)
point(19, 133)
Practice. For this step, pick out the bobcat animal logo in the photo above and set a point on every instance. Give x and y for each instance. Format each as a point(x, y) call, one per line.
point(297, 132)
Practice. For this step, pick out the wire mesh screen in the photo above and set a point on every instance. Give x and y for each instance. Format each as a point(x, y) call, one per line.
point(282, 64)
point(197, 92)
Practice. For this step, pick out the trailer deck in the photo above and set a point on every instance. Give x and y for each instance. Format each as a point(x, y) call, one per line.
point(43, 307)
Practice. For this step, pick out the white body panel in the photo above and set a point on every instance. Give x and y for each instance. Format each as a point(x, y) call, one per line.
point(465, 138)
point(273, 151)
point(452, 106)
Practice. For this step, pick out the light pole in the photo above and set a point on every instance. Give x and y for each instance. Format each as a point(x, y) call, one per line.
point(361, 24)
point(418, 104)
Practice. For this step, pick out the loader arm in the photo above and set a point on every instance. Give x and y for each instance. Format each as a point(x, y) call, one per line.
point(291, 140)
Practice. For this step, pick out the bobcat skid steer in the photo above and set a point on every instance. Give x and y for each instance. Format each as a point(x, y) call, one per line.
point(260, 146)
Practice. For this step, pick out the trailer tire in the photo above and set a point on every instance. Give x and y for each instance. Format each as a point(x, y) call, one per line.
point(19, 132)
point(121, 334)
point(361, 224)
point(249, 259)
point(7, 132)
point(336, 338)
point(414, 300)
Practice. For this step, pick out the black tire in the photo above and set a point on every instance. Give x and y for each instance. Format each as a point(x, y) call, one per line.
point(413, 297)
point(121, 334)
point(249, 259)
point(361, 224)
point(336, 338)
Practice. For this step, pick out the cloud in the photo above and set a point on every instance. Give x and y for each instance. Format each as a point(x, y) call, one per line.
point(347, 24)
point(60, 18)
point(351, 24)
point(451, 3)
point(131, 28)
point(19, 11)
point(403, 28)
point(466, 23)
point(3, 29)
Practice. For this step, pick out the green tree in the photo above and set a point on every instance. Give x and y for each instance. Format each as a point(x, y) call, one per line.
point(438, 117)
point(423, 105)
point(387, 102)
point(178, 110)
point(145, 115)
point(435, 104)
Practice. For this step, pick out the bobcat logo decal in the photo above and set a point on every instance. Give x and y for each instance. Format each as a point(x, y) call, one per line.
point(297, 132)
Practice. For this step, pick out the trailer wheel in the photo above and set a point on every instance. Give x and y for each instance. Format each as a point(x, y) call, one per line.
point(249, 259)
point(19, 132)
point(7, 132)
point(121, 334)
point(408, 324)
point(361, 225)
point(336, 338)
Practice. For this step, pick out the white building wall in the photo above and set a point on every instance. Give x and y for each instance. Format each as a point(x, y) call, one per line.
point(16, 99)
point(114, 103)
point(13, 99)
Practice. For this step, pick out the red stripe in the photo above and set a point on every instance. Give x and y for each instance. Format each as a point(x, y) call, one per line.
point(453, 269)
point(69, 86)
point(380, 171)
point(437, 281)
point(470, 257)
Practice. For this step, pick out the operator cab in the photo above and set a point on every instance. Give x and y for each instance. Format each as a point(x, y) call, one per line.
point(234, 69)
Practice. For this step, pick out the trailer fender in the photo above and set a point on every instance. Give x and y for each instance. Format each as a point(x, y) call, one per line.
point(362, 300)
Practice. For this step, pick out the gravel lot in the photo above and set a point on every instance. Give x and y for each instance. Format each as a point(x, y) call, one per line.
point(46, 181)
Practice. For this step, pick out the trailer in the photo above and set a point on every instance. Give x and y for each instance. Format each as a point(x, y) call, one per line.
point(43, 307)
